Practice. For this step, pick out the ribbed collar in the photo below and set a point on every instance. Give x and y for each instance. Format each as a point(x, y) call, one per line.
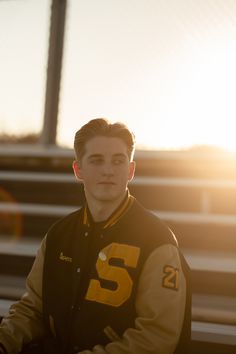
point(115, 216)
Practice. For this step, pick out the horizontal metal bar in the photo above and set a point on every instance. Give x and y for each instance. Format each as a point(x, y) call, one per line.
point(39, 150)
point(138, 180)
point(4, 306)
point(26, 247)
point(214, 308)
point(12, 287)
point(197, 218)
point(36, 209)
point(220, 262)
point(34, 150)
point(184, 182)
point(214, 333)
point(37, 177)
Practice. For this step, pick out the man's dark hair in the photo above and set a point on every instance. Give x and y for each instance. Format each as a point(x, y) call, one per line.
point(102, 127)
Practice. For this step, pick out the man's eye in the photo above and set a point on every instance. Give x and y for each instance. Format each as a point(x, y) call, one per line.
point(118, 161)
point(96, 161)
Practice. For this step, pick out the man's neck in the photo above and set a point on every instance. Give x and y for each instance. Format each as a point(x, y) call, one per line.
point(101, 211)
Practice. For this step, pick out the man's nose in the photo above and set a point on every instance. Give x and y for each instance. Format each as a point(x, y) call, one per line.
point(108, 169)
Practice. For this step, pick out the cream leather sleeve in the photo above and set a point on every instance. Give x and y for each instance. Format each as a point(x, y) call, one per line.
point(24, 321)
point(160, 306)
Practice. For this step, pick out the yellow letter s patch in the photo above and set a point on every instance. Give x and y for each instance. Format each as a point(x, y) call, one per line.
point(129, 255)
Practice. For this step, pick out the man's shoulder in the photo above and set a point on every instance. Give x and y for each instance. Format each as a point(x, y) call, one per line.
point(148, 222)
point(144, 216)
point(66, 222)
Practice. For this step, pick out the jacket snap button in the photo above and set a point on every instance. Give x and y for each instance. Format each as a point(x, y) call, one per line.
point(102, 256)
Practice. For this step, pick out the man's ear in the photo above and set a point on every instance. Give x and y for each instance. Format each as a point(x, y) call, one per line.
point(76, 169)
point(132, 166)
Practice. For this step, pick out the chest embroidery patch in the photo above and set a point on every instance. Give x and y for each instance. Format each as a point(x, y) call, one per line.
point(65, 258)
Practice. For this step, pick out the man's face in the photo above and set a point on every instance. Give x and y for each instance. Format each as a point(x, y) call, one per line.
point(105, 169)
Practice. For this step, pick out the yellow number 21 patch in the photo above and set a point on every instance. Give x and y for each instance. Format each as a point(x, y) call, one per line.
point(171, 278)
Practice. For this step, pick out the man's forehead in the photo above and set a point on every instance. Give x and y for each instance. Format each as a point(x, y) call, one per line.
point(115, 155)
point(105, 146)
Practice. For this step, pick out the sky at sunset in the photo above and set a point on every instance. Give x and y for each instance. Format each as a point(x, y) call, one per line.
point(164, 67)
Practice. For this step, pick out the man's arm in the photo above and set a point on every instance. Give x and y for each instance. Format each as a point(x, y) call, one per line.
point(24, 321)
point(160, 306)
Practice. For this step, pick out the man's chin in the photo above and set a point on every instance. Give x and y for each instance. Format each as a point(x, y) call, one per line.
point(107, 197)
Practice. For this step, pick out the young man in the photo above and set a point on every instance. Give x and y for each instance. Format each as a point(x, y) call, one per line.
point(108, 278)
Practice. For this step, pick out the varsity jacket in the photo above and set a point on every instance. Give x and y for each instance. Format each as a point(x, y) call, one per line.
point(115, 287)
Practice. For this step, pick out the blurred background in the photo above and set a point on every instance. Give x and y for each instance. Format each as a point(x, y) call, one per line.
point(167, 69)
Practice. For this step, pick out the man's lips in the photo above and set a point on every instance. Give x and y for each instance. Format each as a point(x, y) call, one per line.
point(107, 183)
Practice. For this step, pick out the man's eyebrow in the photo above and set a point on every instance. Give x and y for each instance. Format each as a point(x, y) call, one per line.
point(92, 156)
point(119, 154)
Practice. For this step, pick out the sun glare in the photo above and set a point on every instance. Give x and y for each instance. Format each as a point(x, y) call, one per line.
point(200, 109)
point(207, 96)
